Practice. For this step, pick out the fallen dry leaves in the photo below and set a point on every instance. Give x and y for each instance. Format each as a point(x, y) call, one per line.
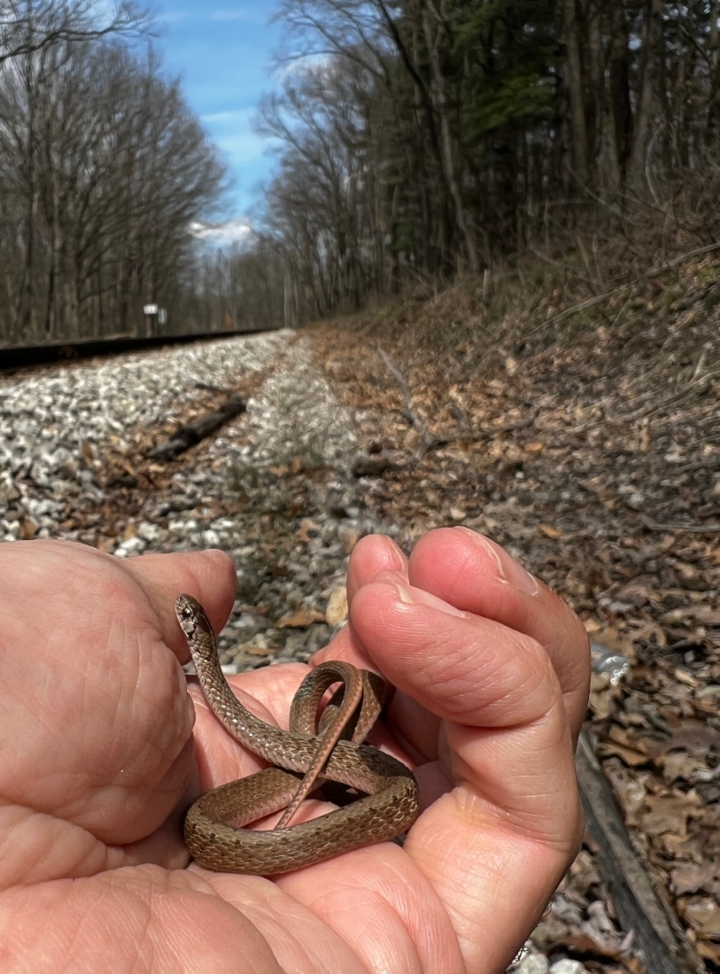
point(595, 459)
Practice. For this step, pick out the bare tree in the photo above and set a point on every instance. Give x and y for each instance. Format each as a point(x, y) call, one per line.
point(29, 26)
point(107, 166)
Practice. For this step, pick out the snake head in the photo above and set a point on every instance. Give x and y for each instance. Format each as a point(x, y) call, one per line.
point(192, 617)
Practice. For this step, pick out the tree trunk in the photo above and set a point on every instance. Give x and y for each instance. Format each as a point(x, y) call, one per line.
point(714, 93)
point(449, 155)
point(578, 137)
point(428, 112)
point(55, 272)
point(650, 96)
point(596, 100)
point(620, 87)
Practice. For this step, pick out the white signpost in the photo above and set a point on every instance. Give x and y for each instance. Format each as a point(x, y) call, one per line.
point(154, 311)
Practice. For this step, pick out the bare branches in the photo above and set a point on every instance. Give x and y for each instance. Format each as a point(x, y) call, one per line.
point(102, 170)
point(410, 411)
point(27, 27)
point(649, 275)
point(486, 130)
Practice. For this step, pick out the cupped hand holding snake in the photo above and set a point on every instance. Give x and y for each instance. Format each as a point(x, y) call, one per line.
point(98, 767)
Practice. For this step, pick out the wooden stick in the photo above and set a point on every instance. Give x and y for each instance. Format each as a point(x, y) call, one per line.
point(640, 904)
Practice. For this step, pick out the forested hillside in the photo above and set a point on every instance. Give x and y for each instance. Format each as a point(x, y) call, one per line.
point(429, 138)
point(416, 142)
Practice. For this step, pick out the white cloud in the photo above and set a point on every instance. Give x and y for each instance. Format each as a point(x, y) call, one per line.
point(238, 13)
point(166, 17)
point(322, 65)
point(233, 132)
point(237, 117)
point(233, 231)
point(242, 148)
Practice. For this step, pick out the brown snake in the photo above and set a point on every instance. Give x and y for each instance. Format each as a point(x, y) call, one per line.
point(214, 831)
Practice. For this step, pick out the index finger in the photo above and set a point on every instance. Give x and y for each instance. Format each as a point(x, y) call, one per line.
point(473, 573)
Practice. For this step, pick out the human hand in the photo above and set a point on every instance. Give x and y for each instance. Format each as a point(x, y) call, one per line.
point(95, 710)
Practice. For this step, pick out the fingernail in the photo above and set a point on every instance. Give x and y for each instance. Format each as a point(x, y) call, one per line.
point(509, 570)
point(418, 597)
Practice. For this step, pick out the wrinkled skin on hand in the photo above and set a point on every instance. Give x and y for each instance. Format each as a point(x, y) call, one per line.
point(103, 748)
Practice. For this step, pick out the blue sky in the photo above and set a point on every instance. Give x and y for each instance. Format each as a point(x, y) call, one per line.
point(222, 53)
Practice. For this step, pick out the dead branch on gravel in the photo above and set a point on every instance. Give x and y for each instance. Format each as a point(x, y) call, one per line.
point(690, 528)
point(189, 434)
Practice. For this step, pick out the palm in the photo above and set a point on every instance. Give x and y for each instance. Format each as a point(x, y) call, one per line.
point(102, 765)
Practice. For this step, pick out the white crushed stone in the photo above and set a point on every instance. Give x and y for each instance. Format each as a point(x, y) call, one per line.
point(531, 964)
point(47, 416)
point(568, 967)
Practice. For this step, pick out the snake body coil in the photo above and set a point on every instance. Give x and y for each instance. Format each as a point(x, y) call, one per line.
point(214, 830)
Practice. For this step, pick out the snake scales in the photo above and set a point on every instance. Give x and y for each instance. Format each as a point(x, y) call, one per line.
point(214, 826)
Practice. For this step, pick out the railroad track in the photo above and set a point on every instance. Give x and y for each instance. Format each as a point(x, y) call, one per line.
point(21, 357)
